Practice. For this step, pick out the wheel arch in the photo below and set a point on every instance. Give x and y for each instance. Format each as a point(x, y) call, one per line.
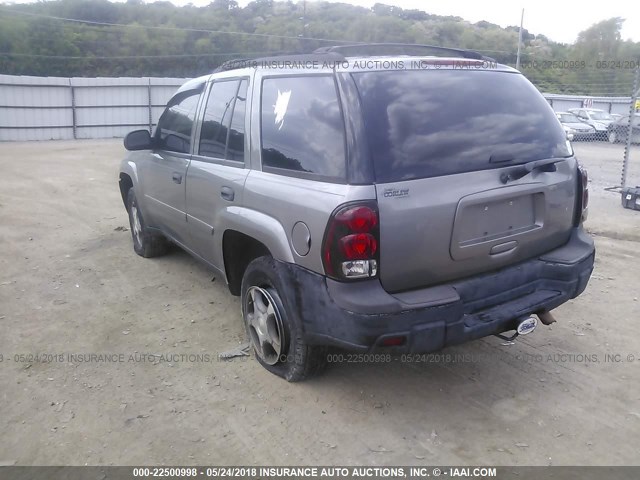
point(127, 178)
point(125, 183)
point(239, 250)
point(248, 235)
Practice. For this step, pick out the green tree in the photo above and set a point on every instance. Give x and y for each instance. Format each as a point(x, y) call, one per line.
point(265, 27)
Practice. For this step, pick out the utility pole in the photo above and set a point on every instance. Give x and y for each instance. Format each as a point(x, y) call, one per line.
point(632, 112)
point(303, 19)
point(519, 41)
point(303, 35)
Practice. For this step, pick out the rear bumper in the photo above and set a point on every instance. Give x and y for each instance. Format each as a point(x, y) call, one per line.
point(358, 316)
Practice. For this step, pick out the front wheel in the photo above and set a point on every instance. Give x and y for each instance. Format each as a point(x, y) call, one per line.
point(272, 326)
point(145, 243)
point(613, 137)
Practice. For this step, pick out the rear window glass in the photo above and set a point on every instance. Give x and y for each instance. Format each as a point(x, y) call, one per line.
point(568, 118)
point(302, 126)
point(431, 123)
point(217, 118)
point(235, 145)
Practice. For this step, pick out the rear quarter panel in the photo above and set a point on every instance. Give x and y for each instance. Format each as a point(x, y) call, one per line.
point(289, 200)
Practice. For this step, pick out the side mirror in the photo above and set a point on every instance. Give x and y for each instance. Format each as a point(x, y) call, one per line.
point(138, 140)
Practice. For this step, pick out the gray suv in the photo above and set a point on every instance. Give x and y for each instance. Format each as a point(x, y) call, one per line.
point(373, 199)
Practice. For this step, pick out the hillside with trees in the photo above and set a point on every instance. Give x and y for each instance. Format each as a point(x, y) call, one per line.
point(99, 38)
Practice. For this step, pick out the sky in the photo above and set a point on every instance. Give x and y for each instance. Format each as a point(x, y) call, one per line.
point(559, 20)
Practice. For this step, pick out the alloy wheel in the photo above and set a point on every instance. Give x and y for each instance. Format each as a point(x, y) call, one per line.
point(264, 324)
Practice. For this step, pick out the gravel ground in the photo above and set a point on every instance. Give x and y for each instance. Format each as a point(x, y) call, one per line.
point(70, 284)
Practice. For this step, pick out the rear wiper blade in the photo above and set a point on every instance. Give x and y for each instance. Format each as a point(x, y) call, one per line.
point(529, 167)
point(534, 165)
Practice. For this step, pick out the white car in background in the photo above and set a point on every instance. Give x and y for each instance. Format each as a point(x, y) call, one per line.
point(598, 119)
point(576, 129)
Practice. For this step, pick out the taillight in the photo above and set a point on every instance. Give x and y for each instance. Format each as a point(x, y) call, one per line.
point(351, 242)
point(583, 192)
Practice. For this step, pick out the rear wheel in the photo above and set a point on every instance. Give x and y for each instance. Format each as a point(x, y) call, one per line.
point(145, 243)
point(272, 326)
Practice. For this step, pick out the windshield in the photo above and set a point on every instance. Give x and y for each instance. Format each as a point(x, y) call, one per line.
point(600, 115)
point(568, 118)
point(624, 121)
point(428, 123)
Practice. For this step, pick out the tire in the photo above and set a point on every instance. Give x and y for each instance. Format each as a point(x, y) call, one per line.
point(274, 330)
point(145, 243)
point(613, 137)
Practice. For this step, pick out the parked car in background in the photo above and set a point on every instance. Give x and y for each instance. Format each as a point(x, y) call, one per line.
point(618, 131)
point(598, 119)
point(616, 116)
point(575, 128)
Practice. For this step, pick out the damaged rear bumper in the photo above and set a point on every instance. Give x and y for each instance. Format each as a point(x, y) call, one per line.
point(359, 316)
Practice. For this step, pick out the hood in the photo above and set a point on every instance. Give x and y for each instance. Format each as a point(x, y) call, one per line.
point(577, 125)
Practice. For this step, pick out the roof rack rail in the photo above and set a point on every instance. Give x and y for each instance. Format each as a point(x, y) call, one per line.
point(383, 49)
point(233, 64)
point(302, 57)
point(339, 53)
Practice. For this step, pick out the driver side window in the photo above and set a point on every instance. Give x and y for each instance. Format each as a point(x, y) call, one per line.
point(173, 132)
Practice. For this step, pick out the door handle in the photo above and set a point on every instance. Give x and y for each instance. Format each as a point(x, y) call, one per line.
point(227, 193)
point(177, 177)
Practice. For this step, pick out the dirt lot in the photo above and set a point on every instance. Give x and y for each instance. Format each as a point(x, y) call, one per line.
point(71, 284)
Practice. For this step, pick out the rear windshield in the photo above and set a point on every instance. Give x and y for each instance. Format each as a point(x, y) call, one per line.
point(596, 115)
point(569, 118)
point(431, 123)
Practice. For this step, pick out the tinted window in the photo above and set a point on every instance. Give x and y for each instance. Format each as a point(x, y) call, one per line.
point(600, 115)
point(235, 147)
point(302, 127)
point(217, 118)
point(175, 124)
point(568, 118)
point(431, 123)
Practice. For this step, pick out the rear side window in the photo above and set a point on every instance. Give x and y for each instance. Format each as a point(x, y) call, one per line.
point(235, 148)
point(176, 123)
point(430, 123)
point(302, 126)
point(222, 134)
